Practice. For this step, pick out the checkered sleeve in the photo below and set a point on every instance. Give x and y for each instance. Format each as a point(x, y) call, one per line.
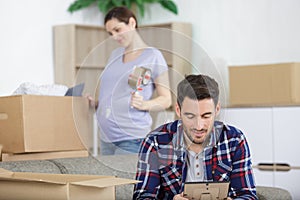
point(147, 171)
point(242, 180)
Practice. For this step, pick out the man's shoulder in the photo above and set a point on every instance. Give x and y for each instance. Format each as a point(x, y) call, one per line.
point(231, 131)
point(164, 133)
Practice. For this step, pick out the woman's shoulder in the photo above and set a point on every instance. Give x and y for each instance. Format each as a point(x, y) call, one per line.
point(153, 50)
point(115, 54)
point(154, 53)
point(118, 51)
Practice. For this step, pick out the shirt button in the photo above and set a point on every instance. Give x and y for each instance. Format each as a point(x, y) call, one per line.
point(196, 157)
point(198, 173)
point(197, 165)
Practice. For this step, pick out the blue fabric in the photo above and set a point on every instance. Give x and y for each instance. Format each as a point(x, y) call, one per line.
point(121, 147)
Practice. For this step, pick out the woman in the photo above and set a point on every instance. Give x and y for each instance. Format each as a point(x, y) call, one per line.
point(122, 113)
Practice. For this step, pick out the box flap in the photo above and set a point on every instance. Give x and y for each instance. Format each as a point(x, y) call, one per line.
point(74, 179)
point(40, 177)
point(105, 182)
point(29, 177)
point(60, 178)
point(5, 173)
point(31, 186)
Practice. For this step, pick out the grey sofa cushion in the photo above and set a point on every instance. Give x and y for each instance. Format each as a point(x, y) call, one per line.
point(272, 193)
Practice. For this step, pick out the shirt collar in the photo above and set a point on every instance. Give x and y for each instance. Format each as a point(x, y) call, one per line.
point(216, 133)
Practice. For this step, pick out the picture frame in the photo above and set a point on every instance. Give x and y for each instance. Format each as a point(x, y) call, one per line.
point(206, 190)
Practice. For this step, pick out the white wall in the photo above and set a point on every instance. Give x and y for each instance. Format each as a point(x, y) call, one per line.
point(241, 31)
point(26, 48)
point(233, 32)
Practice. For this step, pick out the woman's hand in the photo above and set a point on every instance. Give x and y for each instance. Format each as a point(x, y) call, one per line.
point(137, 101)
point(92, 102)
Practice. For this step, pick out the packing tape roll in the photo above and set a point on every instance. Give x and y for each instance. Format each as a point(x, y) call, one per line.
point(140, 76)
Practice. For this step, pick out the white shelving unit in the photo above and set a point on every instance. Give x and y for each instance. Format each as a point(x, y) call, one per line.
point(81, 52)
point(272, 133)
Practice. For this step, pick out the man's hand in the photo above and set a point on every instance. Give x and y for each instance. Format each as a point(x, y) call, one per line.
point(179, 197)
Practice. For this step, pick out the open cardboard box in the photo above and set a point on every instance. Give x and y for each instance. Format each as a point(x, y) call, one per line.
point(37, 186)
point(33, 123)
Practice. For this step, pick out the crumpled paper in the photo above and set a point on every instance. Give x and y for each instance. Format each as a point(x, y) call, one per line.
point(50, 89)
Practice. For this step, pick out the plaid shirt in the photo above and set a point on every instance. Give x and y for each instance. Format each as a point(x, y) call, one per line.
point(162, 165)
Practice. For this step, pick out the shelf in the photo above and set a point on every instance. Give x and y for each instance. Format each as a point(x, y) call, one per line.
point(90, 66)
point(81, 52)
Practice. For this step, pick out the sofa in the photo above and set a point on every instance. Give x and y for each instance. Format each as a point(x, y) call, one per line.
point(123, 166)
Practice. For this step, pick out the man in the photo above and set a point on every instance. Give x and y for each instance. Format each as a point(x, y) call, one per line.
point(194, 148)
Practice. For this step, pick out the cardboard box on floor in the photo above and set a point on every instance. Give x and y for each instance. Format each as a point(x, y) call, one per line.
point(32, 123)
point(36, 186)
point(265, 85)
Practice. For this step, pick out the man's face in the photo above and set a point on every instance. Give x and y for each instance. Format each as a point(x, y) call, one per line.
point(197, 118)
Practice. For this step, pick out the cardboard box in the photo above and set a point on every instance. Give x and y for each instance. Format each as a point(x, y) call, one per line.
point(36, 186)
point(31, 123)
point(265, 85)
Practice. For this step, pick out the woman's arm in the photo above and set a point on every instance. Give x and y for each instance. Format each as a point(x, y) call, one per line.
point(161, 101)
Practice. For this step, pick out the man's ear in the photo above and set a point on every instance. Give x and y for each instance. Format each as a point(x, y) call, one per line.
point(177, 110)
point(218, 108)
point(132, 23)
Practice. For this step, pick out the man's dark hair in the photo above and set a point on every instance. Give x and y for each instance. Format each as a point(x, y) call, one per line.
point(198, 87)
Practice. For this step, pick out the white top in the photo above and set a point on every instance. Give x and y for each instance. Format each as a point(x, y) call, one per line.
point(195, 172)
point(117, 120)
